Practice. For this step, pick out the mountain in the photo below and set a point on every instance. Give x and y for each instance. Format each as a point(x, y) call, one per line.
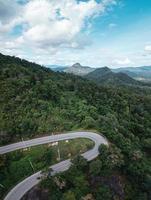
point(133, 69)
point(139, 73)
point(78, 69)
point(35, 100)
point(97, 74)
point(105, 76)
point(28, 90)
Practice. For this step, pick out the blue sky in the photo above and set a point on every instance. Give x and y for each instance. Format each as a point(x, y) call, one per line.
point(114, 33)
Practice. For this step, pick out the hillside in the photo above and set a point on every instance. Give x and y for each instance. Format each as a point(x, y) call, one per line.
point(105, 76)
point(37, 101)
point(97, 74)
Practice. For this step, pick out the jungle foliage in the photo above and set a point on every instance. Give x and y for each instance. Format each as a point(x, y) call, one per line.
point(35, 100)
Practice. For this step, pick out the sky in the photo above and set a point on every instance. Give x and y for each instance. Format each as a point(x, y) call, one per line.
point(96, 33)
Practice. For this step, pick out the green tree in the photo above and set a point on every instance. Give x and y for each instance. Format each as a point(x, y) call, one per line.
point(69, 196)
point(80, 162)
point(95, 167)
point(103, 193)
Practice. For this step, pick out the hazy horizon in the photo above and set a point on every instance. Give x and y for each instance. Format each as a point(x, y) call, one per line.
point(111, 67)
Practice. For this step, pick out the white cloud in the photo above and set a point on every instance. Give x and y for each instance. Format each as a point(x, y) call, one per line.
point(61, 21)
point(51, 22)
point(124, 61)
point(50, 26)
point(148, 48)
point(57, 31)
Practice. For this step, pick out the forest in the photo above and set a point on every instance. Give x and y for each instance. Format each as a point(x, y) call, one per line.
point(37, 101)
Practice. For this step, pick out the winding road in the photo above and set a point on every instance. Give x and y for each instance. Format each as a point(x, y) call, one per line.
point(20, 189)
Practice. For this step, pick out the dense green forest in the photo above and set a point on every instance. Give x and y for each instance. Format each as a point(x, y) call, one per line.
point(36, 101)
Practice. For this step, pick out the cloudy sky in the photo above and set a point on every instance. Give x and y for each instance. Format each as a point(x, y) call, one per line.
point(93, 32)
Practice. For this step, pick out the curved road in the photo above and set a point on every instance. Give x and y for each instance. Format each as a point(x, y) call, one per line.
point(20, 189)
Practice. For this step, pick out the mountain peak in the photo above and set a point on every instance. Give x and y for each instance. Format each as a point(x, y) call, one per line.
point(77, 65)
point(104, 75)
point(105, 69)
point(78, 69)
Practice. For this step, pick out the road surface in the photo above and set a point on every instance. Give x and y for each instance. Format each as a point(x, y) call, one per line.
point(20, 189)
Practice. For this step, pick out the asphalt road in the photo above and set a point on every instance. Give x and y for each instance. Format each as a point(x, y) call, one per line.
point(20, 189)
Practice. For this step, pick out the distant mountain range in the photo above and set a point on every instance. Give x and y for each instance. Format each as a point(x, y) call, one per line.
point(139, 73)
point(107, 75)
point(57, 68)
